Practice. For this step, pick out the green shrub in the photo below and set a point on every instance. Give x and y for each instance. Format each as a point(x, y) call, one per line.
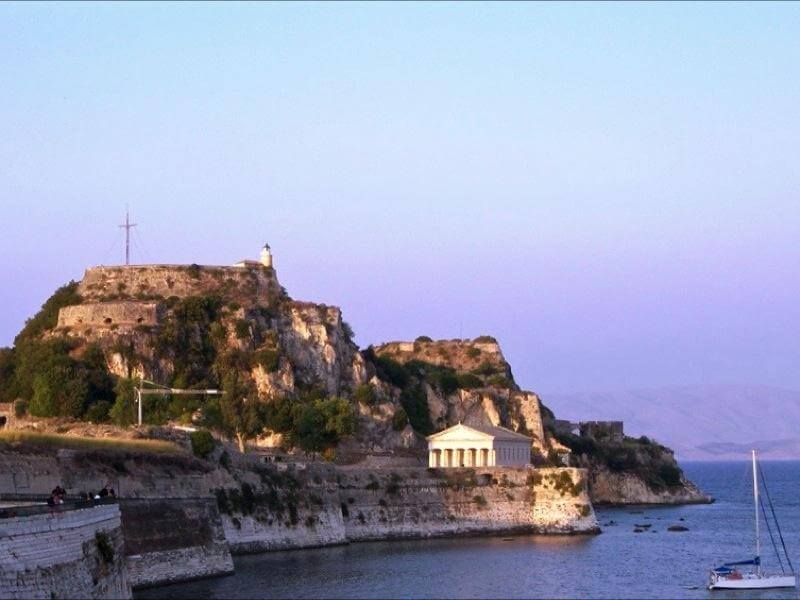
point(423, 339)
point(480, 501)
point(473, 352)
point(348, 331)
point(202, 443)
point(534, 478)
point(468, 381)
point(98, 412)
point(392, 371)
point(185, 338)
point(104, 547)
point(399, 419)
point(268, 359)
point(485, 339)
point(20, 408)
point(47, 317)
point(124, 410)
point(499, 381)
point(242, 329)
point(486, 368)
point(670, 474)
point(415, 405)
point(365, 394)
point(311, 422)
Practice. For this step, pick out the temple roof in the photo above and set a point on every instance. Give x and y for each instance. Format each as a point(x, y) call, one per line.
point(481, 431)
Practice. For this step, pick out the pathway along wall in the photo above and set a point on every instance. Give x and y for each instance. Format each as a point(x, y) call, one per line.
point(70, 554)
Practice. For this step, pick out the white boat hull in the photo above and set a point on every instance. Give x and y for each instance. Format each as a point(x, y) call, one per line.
point(754, 583)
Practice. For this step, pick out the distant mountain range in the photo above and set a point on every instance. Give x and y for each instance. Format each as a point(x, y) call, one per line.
point(709, 422)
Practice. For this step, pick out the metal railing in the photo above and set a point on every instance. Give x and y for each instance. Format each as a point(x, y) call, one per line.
point(27, 510)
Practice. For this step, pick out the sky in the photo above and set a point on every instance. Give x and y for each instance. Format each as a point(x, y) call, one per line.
point(611, 190)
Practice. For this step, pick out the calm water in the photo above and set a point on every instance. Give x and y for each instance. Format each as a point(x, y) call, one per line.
point(617, 564)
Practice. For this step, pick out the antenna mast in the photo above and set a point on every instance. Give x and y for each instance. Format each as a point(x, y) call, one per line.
point(127, 226)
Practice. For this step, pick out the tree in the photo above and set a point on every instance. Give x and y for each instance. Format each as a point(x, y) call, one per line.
point(320, 424)
point(312, 422)
point(47, 317)
point(8, 384)
point(240, 412)
point(124, 410)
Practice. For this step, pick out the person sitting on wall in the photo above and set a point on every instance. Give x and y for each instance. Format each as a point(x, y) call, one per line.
point(58, 494)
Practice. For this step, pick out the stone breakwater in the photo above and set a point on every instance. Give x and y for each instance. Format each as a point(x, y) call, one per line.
point(181, 518)
point(70, 554)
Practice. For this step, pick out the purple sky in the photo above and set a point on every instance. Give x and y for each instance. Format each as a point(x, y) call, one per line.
point(610, 190)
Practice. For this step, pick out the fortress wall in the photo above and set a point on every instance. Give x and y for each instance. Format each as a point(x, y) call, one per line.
point(108, 314)
point(462, 355)
point(169, 519)
point(173, 539)
point(162, 281)
point(181, 520)
point(418, 503)
point(58, 555)
point(561, 508)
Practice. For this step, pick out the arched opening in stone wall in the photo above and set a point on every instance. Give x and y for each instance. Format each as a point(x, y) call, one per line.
point(107, 320)
point(140, 320)
point(3, 421)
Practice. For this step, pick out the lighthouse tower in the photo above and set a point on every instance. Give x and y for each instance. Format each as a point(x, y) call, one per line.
point(266, 256)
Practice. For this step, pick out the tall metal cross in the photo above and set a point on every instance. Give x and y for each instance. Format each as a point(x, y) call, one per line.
point(127, 225)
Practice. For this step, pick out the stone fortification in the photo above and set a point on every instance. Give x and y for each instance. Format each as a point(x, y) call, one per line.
point(120, 313)
point(611, 430)
point(249, 285)
point(170, 520)
point(169, 540)
point(461, 355)
point(70, 554)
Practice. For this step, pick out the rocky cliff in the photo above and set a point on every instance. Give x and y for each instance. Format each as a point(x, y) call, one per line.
point(172, 323)
point(189, 325)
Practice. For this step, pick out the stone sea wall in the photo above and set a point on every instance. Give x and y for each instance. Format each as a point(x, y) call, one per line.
point(418, 503)
point(182, 518)
point(169, 520)
point(173, 539)
point(70, 554)
point(349, 504)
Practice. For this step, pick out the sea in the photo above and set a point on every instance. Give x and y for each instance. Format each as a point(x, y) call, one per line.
point(618, 563)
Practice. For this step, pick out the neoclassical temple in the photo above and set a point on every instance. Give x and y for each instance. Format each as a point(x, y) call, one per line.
point(478, 446)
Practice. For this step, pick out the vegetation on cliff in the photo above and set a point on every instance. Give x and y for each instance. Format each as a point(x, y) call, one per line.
point(642, 457)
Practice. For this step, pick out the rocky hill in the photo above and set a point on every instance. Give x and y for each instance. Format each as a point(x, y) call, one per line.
point(291, 374)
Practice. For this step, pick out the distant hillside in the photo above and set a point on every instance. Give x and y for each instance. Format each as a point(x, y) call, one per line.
point(698, 422)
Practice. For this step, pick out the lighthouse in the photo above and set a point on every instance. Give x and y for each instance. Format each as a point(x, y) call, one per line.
point(266, 256)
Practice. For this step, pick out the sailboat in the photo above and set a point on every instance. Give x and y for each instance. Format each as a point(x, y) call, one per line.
point(728, 577)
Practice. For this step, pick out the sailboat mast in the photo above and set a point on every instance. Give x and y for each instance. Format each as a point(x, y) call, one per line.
point(755, 500)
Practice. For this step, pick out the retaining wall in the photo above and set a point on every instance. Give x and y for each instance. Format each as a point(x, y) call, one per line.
point(70, 554)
